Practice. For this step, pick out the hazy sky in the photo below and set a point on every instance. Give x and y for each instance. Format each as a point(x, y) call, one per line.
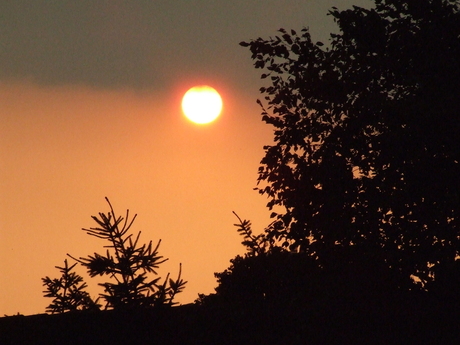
point(90, 96)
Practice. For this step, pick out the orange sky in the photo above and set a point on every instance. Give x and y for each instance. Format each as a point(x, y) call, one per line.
point(183, 181)
point(90, 97)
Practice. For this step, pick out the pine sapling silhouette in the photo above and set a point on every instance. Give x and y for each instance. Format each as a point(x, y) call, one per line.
point(129, 264)
point(68, 292)
point(255, 244)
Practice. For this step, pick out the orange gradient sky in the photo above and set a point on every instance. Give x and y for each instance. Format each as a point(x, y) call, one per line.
point(90, 106)
point(183, 180)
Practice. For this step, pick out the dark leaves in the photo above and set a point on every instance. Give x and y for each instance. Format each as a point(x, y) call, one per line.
point(365, 149)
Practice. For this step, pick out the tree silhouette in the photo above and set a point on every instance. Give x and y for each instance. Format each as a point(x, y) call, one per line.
point(266, 272)
point(68, 292)
point(127, 262)
point(269, 274)
point(129, 265)
point(366, 155)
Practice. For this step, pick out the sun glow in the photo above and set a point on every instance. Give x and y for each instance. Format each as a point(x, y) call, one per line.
point(202, 104)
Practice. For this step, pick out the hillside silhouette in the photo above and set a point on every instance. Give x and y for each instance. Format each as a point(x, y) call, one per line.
point(414, 320)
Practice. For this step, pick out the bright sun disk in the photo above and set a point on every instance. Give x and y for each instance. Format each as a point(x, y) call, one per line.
point(202, 104)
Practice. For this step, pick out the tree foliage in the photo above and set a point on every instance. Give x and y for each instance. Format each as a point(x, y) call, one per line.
point(68, 292)
point(271, 275)
point(366, 148)
point(255, 244)
point(129, 264)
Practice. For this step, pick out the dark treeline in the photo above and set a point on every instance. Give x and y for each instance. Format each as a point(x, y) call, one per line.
point(399, 321)
point(363, 178)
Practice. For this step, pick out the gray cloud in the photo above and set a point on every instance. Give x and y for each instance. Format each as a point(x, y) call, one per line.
point(141, 43)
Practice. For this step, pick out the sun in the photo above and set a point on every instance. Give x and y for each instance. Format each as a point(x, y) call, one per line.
point(202, 104)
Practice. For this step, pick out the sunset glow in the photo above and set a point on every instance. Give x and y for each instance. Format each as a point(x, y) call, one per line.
point(90, 107)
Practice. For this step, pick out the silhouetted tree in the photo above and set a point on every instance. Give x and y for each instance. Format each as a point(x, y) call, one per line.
point(365, 163)
point(255, 244)
point(68, 292)
point(129, 265)
point(269, 274)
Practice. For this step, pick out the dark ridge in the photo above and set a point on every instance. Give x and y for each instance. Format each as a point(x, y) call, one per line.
point(406, 321)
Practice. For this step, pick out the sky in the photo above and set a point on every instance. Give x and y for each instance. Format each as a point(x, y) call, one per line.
point(90, 94)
